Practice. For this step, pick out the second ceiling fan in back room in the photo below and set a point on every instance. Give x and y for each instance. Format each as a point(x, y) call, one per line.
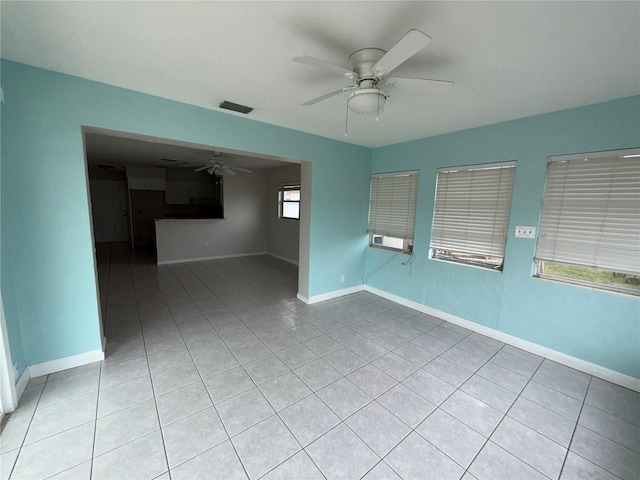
point(216, 166)
point(369, 72)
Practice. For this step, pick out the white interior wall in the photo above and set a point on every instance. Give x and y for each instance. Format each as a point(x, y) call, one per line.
point(284, 233)
point(8, 397)
point(305, 229)
point(244, 230)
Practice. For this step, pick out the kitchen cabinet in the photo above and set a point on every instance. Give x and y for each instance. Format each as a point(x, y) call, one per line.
point(177, 193)
point(140, 183)
point(208, 190)
point(201, 189)
point(146, 178)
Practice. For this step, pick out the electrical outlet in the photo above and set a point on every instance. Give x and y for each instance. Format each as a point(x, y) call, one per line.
point(525, 232)
point(341, 278)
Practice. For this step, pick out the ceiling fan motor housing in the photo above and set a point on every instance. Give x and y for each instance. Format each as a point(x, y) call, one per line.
point(363, 61)
point(367, 99)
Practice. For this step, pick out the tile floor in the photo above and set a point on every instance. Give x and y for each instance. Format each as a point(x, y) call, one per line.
point(215, 371)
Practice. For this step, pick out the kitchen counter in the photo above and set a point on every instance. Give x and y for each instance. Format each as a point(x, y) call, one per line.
point(195, 239)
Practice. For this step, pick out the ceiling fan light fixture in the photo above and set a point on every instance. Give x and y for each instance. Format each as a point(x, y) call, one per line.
point(367, 101)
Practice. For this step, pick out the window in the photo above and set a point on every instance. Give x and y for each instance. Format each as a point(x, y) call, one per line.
point(289, 201)
point(392, 210)
point(471, 214)
point(590, 224)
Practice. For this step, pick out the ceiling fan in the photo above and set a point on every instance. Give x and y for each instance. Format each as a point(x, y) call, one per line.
point(215, 166)
point(369, 72)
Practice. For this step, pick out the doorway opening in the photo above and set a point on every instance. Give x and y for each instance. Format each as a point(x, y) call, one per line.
point(172, 202)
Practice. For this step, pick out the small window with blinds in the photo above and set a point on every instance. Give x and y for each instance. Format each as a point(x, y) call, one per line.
point(590, 224)
point(392, 210)
point(471, 214)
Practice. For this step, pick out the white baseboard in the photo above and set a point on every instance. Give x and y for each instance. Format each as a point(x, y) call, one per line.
point(283, 259)
point(568, 360)
point(303, 298)
point(22, 383)
point(330, 295)
point(204, 259)
point(573, 362)
point(65, 363)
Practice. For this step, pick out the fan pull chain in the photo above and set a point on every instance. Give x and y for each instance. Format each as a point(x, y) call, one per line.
point(346, 122)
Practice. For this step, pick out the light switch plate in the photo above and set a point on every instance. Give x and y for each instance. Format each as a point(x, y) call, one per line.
point(525, 232)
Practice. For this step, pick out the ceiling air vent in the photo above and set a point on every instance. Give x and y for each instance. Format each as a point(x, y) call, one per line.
point(235, 107)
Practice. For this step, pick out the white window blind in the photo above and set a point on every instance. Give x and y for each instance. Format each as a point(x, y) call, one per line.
point(471, 213)
point(591, 213)
point(392, 210)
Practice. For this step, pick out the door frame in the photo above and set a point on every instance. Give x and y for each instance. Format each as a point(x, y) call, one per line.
point(93, 239)
point(8, 395)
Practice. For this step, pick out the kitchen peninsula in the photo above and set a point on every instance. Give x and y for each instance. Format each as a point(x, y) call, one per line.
point(183, 239)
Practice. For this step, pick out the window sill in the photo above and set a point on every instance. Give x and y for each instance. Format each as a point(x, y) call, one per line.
point(389, 249)
point(466, 264)
point(588, 286)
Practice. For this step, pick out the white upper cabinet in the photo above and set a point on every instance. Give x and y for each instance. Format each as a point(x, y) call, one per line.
point(146, 178)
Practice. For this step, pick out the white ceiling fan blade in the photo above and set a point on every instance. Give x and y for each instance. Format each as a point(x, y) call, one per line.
point(407, 47)
point(316, 62)
point(326, 95)
point(241, 169)
point(424, 85)
point(204, 167)
point(226, 170)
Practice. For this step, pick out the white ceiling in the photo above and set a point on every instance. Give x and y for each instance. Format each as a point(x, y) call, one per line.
point(508, 59)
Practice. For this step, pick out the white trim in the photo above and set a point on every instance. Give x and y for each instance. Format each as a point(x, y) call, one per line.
point(204, 259)
point(22, 383)
point(329, 295)
point(283, 259)
point(65, 363)
point(479, 166)
point(405, 173)
point(573, 362)
point(605, 154)
point(591, 368)
point(8, 394)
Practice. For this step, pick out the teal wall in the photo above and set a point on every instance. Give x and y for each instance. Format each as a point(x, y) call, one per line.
point(47, 257)
point(596, 326)
point(9, 299)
